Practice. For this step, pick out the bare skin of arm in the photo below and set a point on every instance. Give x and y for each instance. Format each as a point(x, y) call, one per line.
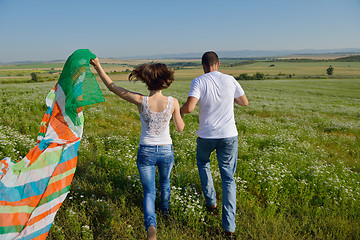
point(129, 96)
point(191, 102)
point(179, 122)
point(134, 97)
point(189, 106)
point(242, 101)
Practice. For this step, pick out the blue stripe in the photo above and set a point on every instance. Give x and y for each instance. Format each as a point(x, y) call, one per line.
point(44, 144)
point(49, 110)
point(37, 233)
point(31, 189)
point(18, 193)
point(70, 152)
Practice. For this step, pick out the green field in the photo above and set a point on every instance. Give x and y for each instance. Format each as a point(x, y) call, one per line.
point(297, 175)
point(281, 69)
point(299, 68)
point(33, 66)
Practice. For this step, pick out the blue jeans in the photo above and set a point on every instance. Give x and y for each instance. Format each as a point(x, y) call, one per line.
point(226, 152)
point(147, 159)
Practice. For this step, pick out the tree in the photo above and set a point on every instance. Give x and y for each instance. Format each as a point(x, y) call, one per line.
point(330, 70)
point(259, 76)
point(244, 76)
point(256, 76)
point(34, 77)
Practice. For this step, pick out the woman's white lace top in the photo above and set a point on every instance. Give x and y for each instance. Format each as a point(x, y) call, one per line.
point(155, 125)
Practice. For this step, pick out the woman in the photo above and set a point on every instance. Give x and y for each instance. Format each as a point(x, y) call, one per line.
point(155, 147)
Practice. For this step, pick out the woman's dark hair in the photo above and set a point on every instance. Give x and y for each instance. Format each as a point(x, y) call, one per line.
point(156, 76)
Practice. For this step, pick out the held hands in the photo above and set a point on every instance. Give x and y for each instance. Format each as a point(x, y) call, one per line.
point(182, 113)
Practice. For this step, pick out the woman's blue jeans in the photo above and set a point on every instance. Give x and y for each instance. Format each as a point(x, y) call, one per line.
point(226, 152)
point(148, 158)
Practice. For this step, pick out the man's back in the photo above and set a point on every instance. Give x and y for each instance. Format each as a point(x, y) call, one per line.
point(215, 92)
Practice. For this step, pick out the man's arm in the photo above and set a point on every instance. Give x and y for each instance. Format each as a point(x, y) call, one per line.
point(242, 100)
point(189, 106)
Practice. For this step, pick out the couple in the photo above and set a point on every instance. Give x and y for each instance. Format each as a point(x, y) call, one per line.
point(216, 93)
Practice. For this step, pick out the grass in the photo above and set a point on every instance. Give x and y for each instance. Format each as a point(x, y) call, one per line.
point(297, 68)
point(38, 66)
point(297, 175)
point(284, 69)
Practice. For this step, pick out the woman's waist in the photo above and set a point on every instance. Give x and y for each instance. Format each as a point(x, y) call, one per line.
point(150, 140)
point(165, 146)
point(163, 149)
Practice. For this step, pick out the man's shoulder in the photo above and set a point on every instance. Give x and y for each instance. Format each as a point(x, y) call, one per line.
point(219, 74)
point(224, 75)
point(214, 75)
point(201, 77)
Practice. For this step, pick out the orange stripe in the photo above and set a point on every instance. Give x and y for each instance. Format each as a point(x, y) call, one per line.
point(59, 124)
point(42, 129)
point(43, 215)
point(65, 166)
point(30, 201)
point(46, 116)
point(56, 186)
point(34, 200)
point(35, 152)
point(45, 120)
point(12, 219)
point(41, 237)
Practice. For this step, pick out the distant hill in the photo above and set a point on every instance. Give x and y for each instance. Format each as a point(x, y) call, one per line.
point(30, 62)
point(241, 54)
point(354, 58)
point(251, 53)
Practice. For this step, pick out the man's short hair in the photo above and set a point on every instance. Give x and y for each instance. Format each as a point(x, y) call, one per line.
point(209, 59)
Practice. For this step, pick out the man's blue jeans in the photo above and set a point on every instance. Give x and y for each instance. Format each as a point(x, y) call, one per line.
point(226, 152)
point(147, 159)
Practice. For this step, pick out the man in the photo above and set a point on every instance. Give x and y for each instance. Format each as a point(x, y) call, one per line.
point(216, 93)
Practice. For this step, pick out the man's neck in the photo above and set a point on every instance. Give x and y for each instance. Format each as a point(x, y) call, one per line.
point(212, 68)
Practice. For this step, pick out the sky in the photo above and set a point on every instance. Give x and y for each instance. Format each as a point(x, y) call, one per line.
point(42, 30)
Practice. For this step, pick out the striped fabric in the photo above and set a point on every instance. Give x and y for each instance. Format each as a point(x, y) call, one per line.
point(33, 189)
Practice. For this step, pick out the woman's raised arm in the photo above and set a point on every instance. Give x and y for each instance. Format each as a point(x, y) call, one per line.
point(129, 96)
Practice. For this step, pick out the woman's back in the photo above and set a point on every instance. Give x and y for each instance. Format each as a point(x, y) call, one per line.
point(158, 102)
point(155, 115)
point(155, 142)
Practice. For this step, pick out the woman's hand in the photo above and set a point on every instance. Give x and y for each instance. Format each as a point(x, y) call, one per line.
point(121, 92)
point(95, 62)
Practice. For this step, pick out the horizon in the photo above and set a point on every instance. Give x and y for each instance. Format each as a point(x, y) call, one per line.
point(316, 52)
point(47, 30)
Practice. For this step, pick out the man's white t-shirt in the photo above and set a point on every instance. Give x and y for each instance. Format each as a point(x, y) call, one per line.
point(215, 92)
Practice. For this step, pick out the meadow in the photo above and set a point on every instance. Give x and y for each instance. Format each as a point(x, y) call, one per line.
point(297, 174)
point(119, 69)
